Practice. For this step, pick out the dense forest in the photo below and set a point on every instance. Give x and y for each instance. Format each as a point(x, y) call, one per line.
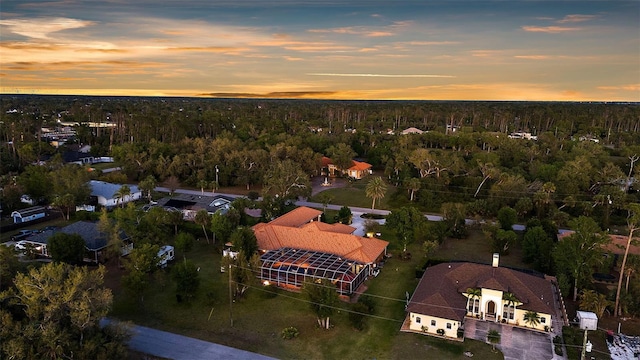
point(581, 162)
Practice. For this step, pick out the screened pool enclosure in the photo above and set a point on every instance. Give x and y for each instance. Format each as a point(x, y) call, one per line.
point(289, 268)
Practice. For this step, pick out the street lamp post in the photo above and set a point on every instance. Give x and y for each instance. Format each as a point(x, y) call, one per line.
point(217, 171)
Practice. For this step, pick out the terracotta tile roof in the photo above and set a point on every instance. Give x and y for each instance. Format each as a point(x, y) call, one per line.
point(297, 217)
point(356, 248)
point(337, 228)
point(616, 245)
point(439, 292)
point(360, 166)
point(355, 165)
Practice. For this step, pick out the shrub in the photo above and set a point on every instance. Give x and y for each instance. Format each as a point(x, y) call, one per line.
point(253, 195)
point(557, 345)
point(440, 332)
point(290, 333)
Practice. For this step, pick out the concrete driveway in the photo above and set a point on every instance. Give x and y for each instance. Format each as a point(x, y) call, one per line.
point(515, 343)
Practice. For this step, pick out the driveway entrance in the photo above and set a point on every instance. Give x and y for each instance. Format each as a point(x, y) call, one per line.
point(515, 343)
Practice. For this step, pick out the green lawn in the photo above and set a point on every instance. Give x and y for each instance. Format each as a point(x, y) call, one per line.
point(354, 195)
point(259, 318)
point(477, 248)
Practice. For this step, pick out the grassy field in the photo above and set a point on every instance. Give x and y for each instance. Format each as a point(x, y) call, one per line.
point(354, 195)
point(477, 248)
point(259, 318)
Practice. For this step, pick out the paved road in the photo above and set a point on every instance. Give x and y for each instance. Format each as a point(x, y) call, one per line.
point(356, 211)
point(173, 346)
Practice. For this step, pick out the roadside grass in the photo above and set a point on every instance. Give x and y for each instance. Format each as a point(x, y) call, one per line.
point(261, 315)
point(354, 195)
point(102, 166)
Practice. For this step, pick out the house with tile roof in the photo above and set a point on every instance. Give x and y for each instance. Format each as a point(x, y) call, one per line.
point(448, 293)
point(95, 240)
point(358, 169)
point(297, 247)
point(616, 244)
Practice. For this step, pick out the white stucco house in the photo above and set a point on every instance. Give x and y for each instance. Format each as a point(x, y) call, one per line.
point(106, 193)
point(448, 293)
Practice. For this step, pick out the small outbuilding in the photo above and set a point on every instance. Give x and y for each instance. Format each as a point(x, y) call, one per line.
point(587, 320)
point(28, 214)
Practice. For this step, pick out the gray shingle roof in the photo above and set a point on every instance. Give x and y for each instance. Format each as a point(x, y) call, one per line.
point(93, 238)
point(108, 190)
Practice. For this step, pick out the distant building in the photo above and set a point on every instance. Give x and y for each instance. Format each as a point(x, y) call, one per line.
point(412, 130)
point(106, 193)
point(358, 169)
point(189, 205)
point(522, 135)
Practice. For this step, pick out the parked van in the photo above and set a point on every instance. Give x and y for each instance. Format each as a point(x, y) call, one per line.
point(165, 254)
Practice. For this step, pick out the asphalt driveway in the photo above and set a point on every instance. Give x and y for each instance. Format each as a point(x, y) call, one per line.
point(515, 343)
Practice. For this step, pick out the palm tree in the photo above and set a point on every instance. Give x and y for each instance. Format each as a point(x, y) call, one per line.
point(203, 184)
point(544, 197)
point(494, 337)
point(532, 318)
point(376, 188)
point(511, 301)
point(595, 302)
point(472, 294)
point(203, 219)
point(122, 193)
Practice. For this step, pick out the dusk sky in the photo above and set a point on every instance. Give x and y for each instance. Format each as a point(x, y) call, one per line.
point(325, 49)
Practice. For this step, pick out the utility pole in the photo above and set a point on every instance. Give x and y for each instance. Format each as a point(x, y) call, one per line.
point(217, 171)
point(586, 346)
point(230, 297)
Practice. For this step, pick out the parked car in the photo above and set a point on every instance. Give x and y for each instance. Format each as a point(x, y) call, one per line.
point(23, 234)
point(22, 246)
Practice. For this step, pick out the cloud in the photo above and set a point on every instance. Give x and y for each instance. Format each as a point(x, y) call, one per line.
point(354, 30)
point(276, 94)
point(533, 57)
point(41, 28)
point(78, 65)
point(550, 29)
point(209, 49)
point(367, 31)
point(383, 75)
point(575, 18)
point(628, 87)
point(428, 43)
